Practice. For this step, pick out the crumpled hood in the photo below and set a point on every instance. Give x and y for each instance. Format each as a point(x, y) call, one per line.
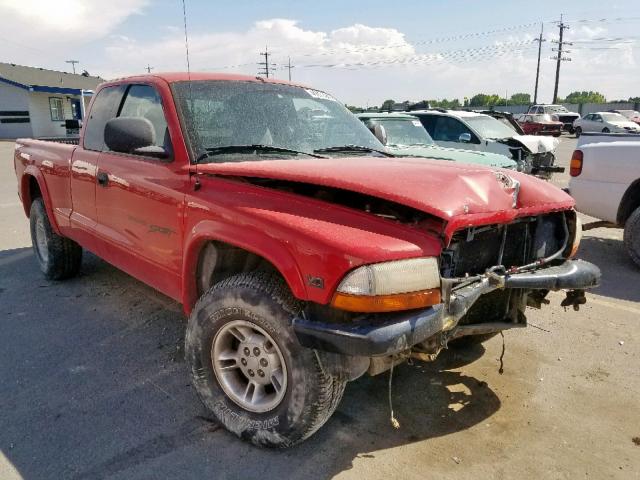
point(437, 152)
point(537, 144)
point(457, 193)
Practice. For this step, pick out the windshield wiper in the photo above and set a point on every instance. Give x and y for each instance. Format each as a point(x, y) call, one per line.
point(212, 151)
point(352, 148)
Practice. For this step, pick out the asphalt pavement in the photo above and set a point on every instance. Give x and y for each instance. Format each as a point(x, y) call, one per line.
point(93, 385)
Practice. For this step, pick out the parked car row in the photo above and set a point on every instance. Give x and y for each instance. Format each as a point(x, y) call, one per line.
point(305, 253)
point(465, 136)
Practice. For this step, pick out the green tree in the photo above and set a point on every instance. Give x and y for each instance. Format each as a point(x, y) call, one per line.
point(585, 97)
point(520, 99)
point(387, 105)
point(483, 100)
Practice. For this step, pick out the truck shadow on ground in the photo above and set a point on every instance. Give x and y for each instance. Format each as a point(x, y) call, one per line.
point(620, 275)
point(93, 385)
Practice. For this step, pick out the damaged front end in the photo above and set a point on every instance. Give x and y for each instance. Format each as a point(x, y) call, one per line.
point(489, 275)
point(535, 159)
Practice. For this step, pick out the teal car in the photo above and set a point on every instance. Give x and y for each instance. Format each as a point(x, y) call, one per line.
point(404, 135)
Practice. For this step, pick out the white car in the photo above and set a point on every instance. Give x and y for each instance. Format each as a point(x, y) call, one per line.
point(605, 183)
point(605, 122)
point(477, 131)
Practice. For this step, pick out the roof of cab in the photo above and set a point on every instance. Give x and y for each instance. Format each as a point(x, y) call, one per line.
point(172, 77)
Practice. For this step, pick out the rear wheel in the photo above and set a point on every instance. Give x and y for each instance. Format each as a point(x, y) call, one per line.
point(632, 236)
point(578, 131)
point(249, 368)
point(58, 257)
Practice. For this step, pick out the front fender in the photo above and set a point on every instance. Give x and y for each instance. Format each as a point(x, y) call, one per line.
point(263, 245)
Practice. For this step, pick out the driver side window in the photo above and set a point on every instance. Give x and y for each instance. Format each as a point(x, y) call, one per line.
point(449, 129)
point(144, 101)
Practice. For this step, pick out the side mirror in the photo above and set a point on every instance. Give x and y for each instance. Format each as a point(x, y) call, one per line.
point(464, 137)
point(380, 132)
point(132, 135)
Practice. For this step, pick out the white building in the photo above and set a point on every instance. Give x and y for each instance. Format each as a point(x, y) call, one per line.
point(35, 102)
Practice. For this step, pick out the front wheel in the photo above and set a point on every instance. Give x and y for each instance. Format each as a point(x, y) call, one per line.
point(631, 236)
point(58, 257)
point(578, 132)
point(248, 367)
point(605, 130)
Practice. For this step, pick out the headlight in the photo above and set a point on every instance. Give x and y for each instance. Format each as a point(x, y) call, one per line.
point(576, 238)
point(390, 286)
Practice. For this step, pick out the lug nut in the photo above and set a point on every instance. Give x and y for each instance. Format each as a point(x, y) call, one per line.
point(263, 362)
point(256, 351)
point(243, 362)
point(251, 373)
point(261, 373)
point(247, 352)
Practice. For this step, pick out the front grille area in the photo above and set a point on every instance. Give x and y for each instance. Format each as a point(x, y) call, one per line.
point(474, 250)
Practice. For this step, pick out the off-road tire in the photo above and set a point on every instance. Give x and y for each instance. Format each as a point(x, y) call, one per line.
point(632, 236)
point(469, 341)
point(63, 256)
point(578, 132)
point(311, 396)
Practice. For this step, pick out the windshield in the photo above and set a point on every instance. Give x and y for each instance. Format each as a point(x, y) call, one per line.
point(613, 117)
point(220, 113)
point(556, 109)
point(404, 131)
point(489, 127)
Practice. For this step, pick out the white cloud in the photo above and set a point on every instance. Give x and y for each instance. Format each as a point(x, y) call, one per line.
point(358, 63)
point(71, 19)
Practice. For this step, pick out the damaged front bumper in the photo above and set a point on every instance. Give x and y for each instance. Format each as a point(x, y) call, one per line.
point(382, 335)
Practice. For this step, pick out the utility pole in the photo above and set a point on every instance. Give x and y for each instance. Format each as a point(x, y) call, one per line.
point(539, 40)
point(266, 67)
point(559, 58)
point(73, 64)
point(149, 68)
point(289, 67)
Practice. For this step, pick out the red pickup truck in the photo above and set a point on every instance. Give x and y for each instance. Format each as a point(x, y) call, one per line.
point(303, 253)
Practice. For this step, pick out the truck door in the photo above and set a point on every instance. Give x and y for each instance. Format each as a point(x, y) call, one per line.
point(139, 201)
point(84, 163)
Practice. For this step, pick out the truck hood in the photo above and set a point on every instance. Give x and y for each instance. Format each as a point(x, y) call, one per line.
point(461, 195)
point(436, 152)
point(537, 144)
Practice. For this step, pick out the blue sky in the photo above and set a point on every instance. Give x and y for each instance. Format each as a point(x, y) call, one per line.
point(362, 52)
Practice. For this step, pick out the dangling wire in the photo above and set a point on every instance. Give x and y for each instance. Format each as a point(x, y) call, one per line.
point(501, 369)
point(394, 420)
